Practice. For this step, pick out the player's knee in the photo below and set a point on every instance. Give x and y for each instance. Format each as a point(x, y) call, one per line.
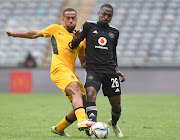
point(91, 96)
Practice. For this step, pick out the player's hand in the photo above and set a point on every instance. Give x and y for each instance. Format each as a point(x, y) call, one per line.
point(76, 34)
point(121, 75)
point(9, 32)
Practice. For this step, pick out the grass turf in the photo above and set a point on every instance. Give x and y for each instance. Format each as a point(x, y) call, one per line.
point(144, 116)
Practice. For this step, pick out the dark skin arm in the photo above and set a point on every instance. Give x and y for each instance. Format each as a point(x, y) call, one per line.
point(76, 35)
point(119, 73)
point(83, 61)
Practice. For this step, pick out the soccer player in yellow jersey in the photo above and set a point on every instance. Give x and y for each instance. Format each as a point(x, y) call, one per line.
point(62, 68)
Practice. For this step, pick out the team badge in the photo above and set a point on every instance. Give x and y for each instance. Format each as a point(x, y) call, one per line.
point(102, 41)
point(72, 77)
point(81, 29)
point(111, 35)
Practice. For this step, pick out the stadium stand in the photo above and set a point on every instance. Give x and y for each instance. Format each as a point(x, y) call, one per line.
point(21, 16)
point(149, 30)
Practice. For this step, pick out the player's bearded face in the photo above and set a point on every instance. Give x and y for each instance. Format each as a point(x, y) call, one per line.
point(105, 15)
point(70, 20)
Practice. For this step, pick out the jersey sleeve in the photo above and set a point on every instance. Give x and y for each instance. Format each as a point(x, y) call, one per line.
point(82, 48)
point(84, 30)
point(48, 32)
point(83, 35)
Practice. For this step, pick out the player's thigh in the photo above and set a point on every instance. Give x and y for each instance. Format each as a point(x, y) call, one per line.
point(62, 78)
point(77, 87)
point(111, 85)
point(93, 79)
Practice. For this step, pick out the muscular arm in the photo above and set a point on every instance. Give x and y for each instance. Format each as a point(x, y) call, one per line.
point(83, 61)
point(78, 36)
point(118, 72)
point(29, 34)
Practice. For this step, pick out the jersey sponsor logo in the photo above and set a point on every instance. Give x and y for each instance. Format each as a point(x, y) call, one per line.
point(102, 41)
point(111, 35)
point(70, 50)
point(95, 32)
point(101, 47)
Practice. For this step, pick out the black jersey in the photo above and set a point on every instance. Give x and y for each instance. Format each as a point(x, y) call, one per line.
point(101, 42)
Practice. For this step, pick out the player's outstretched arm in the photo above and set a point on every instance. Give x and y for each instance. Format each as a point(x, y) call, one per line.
point(29, 34)
point(119, 73)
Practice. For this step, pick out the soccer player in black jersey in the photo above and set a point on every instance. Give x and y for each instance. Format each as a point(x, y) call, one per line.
point(101, 64)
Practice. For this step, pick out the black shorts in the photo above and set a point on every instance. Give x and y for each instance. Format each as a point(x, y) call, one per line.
point(110, 83)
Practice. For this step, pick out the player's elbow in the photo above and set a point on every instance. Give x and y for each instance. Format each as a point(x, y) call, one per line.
point(83, 65)
point(34, 34)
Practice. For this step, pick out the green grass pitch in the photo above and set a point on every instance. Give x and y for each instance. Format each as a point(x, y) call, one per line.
point(144, 116)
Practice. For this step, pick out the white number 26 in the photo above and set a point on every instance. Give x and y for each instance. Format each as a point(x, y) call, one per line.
point(115, 82)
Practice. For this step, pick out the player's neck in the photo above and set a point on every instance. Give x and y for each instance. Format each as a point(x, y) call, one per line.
point(103, 24)
point(68, 30)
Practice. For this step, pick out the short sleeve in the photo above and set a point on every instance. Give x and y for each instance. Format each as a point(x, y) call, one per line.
point(48, 32)
point(84, 30)
point(82, 48)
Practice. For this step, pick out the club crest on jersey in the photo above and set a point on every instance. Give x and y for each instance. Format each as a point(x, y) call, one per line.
point(111, 35)
point(102, 41)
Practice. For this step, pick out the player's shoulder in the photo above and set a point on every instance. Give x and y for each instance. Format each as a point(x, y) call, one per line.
point(91, 22)
point(88, 24)
point(55, 26)
point(113, 27)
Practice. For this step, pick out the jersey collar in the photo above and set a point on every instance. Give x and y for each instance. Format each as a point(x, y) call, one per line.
point(102, 25)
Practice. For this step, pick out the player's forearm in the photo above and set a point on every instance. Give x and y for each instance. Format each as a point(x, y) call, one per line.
point(30, 34)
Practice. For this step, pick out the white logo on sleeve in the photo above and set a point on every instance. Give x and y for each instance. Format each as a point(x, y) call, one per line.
point(102, 41)
point(95, 32)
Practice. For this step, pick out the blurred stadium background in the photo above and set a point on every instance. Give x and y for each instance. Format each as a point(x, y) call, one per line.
point(148, 50)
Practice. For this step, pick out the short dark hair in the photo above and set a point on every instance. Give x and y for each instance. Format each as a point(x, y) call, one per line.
point(69, 10)
point(106, 5)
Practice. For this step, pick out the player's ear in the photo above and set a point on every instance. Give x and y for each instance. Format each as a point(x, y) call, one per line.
point(98, 13)
point(63, 19)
